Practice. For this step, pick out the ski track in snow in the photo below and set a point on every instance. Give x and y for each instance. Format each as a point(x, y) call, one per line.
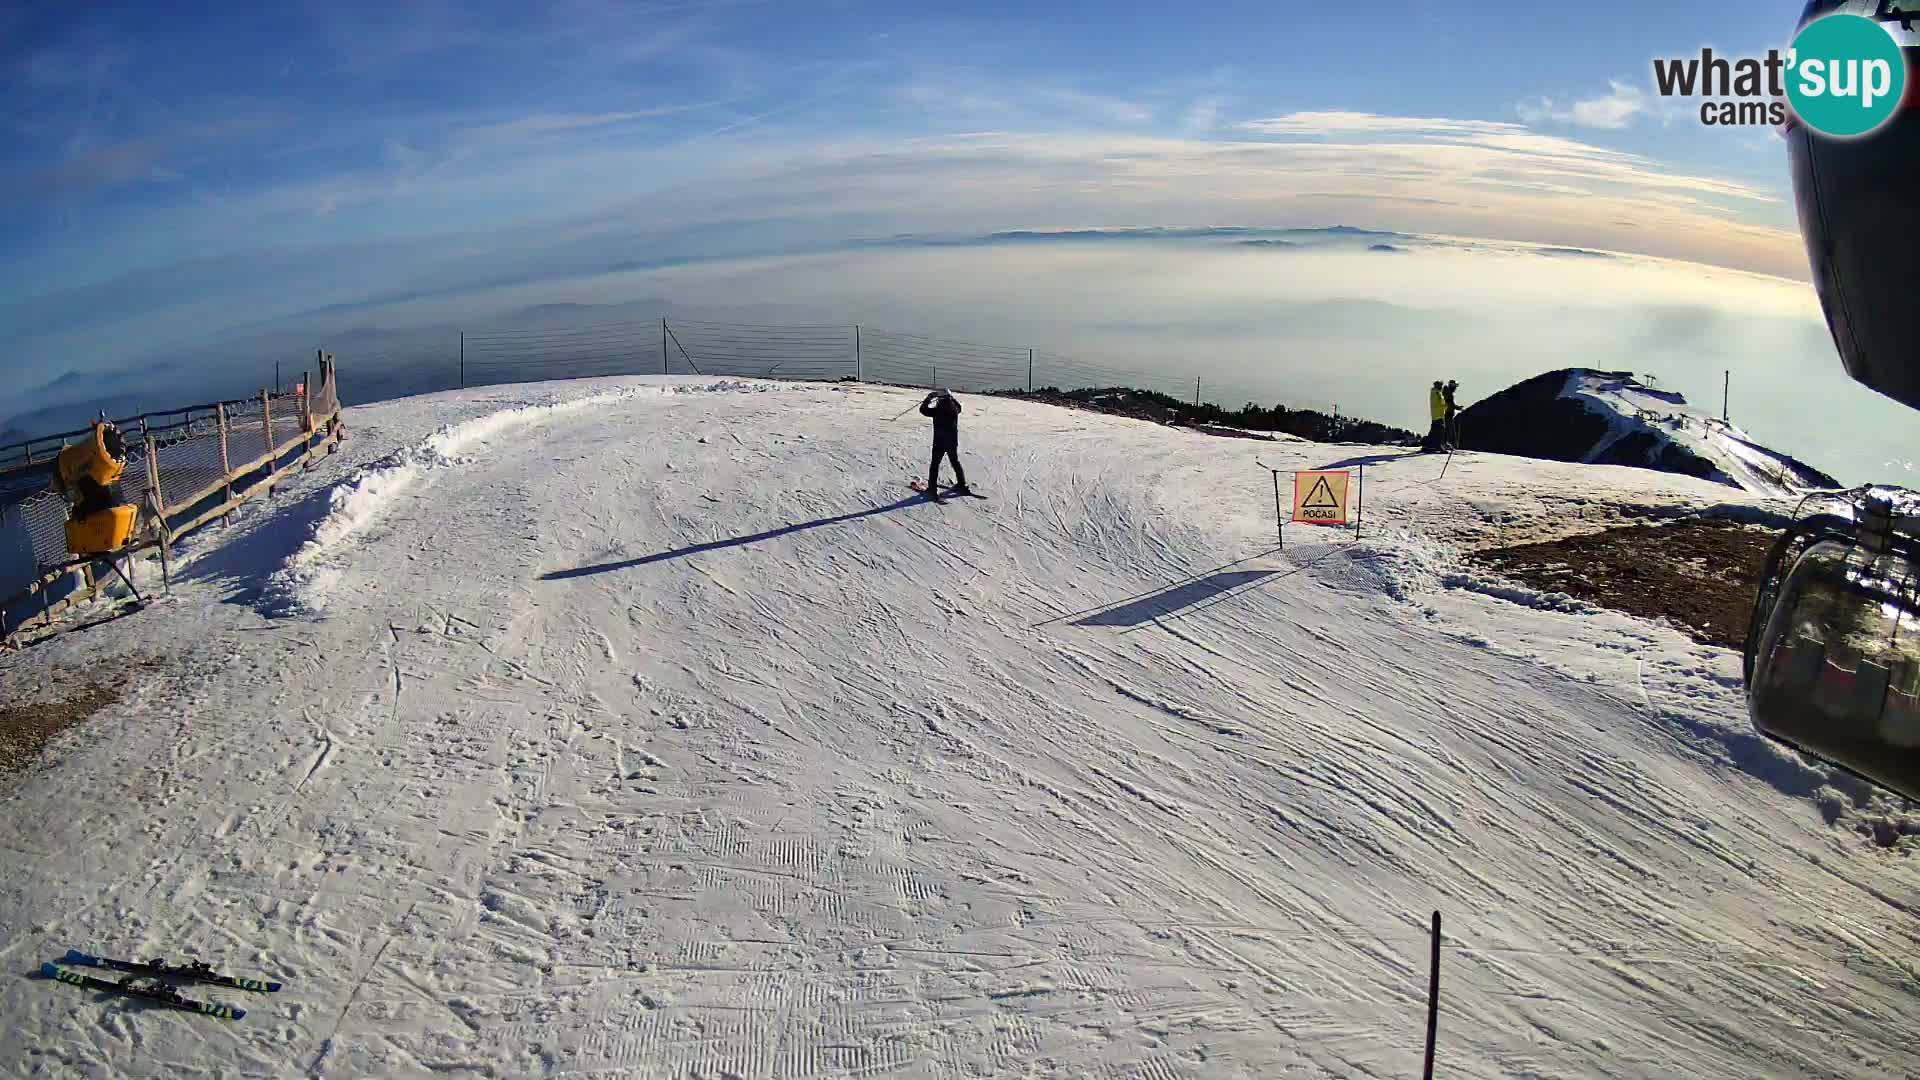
point(1083, 780)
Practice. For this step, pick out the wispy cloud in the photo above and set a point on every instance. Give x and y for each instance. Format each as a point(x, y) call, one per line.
point(541, 125)
point(1363, 123)
point(961, 93)
point(1202, 116)
point(1619, 108)
point(1495, 152)
point(1113, 110)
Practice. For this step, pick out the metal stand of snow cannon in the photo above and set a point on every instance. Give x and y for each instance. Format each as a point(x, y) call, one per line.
point(1832, 657)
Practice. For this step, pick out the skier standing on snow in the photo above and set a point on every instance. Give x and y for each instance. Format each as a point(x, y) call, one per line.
point(1437, 411)
point(945, 412)
point(1453, 416)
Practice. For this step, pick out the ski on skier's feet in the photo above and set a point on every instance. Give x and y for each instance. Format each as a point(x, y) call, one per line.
point(198, 971)
point(946, 490)
point(149, 990)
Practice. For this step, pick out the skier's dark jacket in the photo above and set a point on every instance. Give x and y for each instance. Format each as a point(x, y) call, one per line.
point(945, 411)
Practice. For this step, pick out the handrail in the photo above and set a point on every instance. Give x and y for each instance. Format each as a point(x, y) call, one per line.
point(130, 421)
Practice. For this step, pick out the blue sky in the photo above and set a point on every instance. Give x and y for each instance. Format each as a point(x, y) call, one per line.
point(167, 176)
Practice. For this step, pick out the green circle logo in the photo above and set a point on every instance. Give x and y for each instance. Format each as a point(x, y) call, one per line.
point(1847, 75)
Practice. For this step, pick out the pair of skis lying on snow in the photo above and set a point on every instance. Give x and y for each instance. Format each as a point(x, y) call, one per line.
point(148, 980)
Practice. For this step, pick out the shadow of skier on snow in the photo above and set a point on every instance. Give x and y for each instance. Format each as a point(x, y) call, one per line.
point(738, 541)
point(1371, 459)
point(1169, 601)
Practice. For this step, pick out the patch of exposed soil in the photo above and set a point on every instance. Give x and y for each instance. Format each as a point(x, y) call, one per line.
point(25, 730)
point(1699, 574)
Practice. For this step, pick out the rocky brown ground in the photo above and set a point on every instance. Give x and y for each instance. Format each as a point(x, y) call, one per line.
point(26, 729)
point(1699, 574)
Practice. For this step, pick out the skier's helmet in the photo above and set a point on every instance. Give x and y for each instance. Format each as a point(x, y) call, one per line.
point(1859, 206)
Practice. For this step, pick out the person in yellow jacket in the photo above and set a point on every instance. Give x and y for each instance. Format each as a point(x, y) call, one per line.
point(1437, 409)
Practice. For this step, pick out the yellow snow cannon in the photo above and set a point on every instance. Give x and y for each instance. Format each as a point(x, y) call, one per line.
point(85, 475)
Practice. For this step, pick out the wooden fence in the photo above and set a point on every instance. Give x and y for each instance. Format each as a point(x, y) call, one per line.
point(183, 474)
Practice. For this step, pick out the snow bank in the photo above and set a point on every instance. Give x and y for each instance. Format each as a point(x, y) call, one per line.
point(1656, 427)
point(1612, 418)
point(306, 582)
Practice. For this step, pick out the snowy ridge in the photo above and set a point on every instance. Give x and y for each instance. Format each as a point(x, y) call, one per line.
point(304, 584)
point(1633, 409)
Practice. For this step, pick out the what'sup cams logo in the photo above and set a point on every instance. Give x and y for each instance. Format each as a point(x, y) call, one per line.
point(1843, 77)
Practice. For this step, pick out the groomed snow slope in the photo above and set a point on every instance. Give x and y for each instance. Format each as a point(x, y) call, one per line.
point(667, 735)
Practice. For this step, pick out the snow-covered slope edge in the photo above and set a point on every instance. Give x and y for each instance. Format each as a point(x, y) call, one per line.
point(305, 583)
point(1612, 418)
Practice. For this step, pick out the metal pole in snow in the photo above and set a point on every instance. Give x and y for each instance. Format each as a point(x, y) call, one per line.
point(1433, 997)
point(1029, 371)
point(1279, 519)
point(1196, 391)
point(1360, 502)
point(663, 345)
point(856, 352)
point(1726, 391)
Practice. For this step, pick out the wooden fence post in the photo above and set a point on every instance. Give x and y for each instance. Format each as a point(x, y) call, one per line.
point(165, 537)
point(306, 411)
point(153, 476)
point(266, 425)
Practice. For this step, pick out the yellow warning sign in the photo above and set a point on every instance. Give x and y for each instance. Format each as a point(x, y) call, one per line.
point(1320, 498)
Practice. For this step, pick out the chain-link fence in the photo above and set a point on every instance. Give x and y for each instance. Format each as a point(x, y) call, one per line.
point(830, 353)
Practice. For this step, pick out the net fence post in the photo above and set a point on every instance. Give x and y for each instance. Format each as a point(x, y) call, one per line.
point(266, 426)
point(1029, 371)
point(226, 459)
point(856, 352)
